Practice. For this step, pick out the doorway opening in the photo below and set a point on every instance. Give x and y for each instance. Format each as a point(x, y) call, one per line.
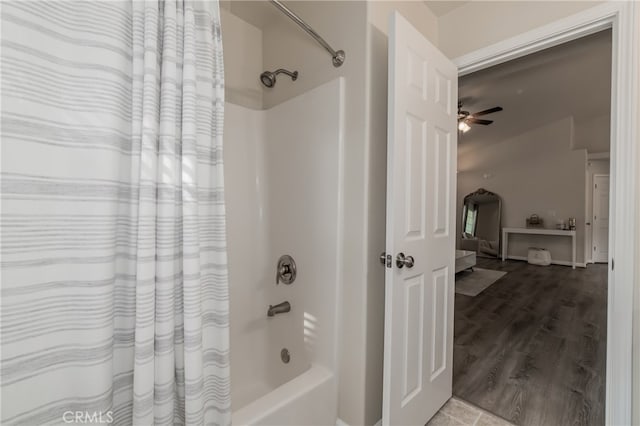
point(530, 332)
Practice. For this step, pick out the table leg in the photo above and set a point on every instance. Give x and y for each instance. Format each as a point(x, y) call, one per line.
point(573, 252)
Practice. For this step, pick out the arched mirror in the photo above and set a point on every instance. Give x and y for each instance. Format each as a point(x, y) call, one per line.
point(481, 223)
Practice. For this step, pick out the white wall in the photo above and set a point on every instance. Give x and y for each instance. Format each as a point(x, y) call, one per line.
point(242, 51)
point(636, 304)
point(481, 23)
point(594, 167)
point(536, 172)
point(593, 134)
point(416, 12)
point(377, 184)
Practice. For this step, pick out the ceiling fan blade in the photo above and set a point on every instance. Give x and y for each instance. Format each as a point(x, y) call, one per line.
point(487, 111)
point(478, 121)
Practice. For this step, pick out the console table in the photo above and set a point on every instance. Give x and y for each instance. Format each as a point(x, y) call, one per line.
point(539, 231)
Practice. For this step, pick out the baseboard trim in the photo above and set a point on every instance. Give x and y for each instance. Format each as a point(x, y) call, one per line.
point(553, 262)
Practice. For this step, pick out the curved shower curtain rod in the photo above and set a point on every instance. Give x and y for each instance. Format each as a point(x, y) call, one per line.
point(338, 56)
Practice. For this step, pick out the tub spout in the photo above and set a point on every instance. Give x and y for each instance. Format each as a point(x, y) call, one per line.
point(280, 308)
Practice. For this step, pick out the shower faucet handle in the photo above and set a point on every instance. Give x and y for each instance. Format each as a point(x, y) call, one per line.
point(286, 270)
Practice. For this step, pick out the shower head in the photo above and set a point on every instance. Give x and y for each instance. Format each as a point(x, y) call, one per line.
point(268, 78)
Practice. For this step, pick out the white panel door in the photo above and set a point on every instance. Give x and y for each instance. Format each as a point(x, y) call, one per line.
point(421, 185)
point(601, 218)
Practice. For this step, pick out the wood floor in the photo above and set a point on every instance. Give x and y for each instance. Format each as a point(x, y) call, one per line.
point(531, 348)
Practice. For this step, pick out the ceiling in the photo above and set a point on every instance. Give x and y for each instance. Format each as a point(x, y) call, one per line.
point(440, 8)
point(258, 13)
point(572, 79)
point(261, 14)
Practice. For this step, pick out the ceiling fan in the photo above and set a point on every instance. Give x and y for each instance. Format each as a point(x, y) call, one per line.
point(465, 118)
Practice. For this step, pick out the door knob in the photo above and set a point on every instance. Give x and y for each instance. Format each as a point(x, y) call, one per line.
point(401, 261)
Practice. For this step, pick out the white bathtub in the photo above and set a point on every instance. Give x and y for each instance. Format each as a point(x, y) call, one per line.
point(283, 176)
point(308, 399)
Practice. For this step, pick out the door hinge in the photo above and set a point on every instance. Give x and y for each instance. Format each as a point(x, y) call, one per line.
point(594, 248)
point(613, 264)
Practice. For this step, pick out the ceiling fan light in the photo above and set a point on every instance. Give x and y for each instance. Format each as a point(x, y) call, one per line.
point(463, 127)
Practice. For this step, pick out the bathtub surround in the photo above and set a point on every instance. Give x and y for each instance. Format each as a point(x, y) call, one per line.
point(115, 295)
point(283, 174)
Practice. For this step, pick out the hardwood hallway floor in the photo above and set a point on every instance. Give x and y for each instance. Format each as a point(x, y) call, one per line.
point(531, 348)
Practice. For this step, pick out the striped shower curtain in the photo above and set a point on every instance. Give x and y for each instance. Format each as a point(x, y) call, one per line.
point(114, 277)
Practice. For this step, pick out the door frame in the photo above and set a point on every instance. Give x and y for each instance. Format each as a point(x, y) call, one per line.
point(593, 205)
point(622, 18)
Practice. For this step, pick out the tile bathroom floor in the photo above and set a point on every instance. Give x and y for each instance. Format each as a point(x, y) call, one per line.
point(459, 413)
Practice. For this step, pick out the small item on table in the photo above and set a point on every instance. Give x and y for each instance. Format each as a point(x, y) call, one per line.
point(534, 221)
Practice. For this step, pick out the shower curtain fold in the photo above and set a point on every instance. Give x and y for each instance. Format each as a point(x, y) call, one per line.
point(114, 269)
